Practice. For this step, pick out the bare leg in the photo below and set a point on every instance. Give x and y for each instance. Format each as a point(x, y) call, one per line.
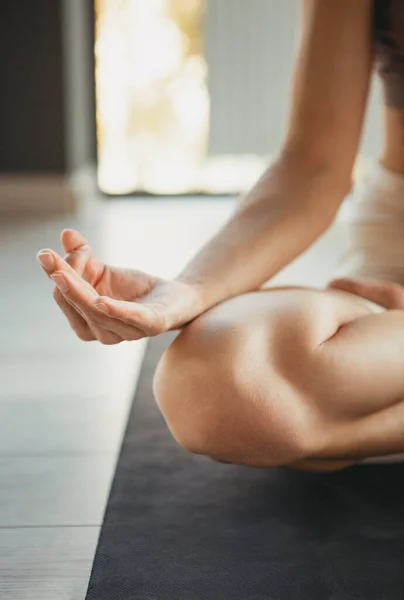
point(382, 254)
point(283, 376)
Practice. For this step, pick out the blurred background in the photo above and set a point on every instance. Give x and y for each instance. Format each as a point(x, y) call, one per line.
point(137, 122)
point(161, 97)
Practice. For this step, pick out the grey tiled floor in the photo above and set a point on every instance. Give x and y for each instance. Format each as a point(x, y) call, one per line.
point(63, 403)
point(46, 563)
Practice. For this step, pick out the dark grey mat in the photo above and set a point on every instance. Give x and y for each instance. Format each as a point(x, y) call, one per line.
point(181, 527)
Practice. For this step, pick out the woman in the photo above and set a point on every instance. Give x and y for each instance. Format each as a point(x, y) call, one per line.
point(311, 379)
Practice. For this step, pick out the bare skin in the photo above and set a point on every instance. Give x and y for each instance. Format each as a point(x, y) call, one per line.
point(392, 156)
point(295, 377)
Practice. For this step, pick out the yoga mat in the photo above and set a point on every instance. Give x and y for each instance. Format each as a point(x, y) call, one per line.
point(182, 527)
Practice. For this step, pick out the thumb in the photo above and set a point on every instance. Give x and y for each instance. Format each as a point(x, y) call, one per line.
point(388, 294)
point(78, 252)
point(72, 239)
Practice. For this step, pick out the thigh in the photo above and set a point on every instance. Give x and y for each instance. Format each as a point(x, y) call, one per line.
point(344, 359)
point(326, 347)
point(237, 379)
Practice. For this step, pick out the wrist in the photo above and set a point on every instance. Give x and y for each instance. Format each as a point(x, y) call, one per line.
point(204, 294)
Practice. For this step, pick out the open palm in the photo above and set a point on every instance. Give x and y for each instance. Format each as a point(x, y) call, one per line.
point(112, 304)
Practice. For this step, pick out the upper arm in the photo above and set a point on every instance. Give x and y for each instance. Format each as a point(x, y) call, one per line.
point(330, 83)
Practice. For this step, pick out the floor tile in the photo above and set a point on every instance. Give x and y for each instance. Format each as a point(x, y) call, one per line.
point(57, 491)
point(46, 564)
point(58, 426)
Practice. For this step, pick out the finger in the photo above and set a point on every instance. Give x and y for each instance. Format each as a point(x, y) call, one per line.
point(75, 320)
point(49, 261)
point(82, 297)
point(388, 294)
point(46, 260)
point(72, 239)
point(78, 259)
point(108, 338)
point(78, 253)
point(74, 317)
point(52, 262)
point(80, 326)
point(136, 314)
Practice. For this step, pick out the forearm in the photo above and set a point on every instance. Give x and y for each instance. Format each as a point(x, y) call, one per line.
point(289, 207)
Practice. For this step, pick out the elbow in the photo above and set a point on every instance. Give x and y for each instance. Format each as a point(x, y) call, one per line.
point(320, 184)
point(330, 169)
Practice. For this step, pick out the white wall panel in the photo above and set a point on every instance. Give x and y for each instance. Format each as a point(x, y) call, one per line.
point(249, 46)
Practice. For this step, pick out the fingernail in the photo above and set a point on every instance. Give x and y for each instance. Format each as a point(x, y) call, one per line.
point(60, 281)
point(102, 306)
point(46, 259)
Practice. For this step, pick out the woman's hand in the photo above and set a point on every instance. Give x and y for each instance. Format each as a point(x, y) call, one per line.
point(388, 294)
point(109, 304)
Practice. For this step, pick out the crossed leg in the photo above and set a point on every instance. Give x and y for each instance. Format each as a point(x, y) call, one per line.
point(287, 377)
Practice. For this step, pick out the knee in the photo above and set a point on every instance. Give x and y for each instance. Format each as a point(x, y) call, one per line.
point(188, 388)
point(219, 401)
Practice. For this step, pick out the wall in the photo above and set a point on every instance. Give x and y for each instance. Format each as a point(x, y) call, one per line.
point(47, 114)
point(31, 98)
point(249, 48)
